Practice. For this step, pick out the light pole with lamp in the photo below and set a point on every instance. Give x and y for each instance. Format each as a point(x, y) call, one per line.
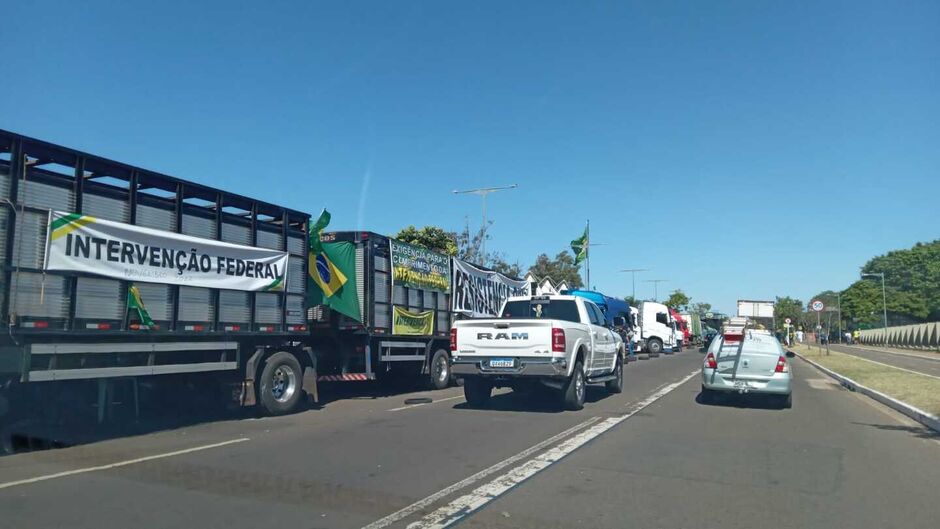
point(633, 272)
point(656, 283)
point(483, 191)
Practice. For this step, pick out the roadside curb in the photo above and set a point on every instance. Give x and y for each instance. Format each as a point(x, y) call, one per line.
point(917, 414)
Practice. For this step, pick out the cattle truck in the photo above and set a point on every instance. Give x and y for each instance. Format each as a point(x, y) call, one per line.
point(404, 319)
point(75, 334)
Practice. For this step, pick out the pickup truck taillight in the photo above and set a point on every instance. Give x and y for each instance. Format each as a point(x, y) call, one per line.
point(453, 339)
point(782, 366)
point(558, 340)
point(710, 362)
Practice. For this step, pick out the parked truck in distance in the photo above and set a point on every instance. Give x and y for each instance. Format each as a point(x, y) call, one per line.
point(559, 341)
point(655, 329)
point(694, 323)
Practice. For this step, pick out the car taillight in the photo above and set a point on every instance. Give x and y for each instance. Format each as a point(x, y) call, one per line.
point(782, 366)
point(558, 340)
point(710, 362)
point(453, 339)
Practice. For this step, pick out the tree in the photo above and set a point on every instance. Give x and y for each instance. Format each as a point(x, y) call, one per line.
point(430, 237)
point(678, 300)
point(787, 307)
point(562, 268)
point(701, 308)
point(498, 263)
point(630, 300)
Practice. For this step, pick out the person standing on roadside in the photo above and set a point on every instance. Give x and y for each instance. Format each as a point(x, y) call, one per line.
point(856, 334)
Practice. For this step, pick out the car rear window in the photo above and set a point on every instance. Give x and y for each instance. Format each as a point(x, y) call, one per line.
point(559, 309)
point(753, 343)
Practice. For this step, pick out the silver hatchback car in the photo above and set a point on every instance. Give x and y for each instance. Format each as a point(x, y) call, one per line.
point(748, 362)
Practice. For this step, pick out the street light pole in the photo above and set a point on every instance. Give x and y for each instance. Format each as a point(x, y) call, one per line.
point(656, 283)
point(633, 272)
point(483, 191)
point(884, 297)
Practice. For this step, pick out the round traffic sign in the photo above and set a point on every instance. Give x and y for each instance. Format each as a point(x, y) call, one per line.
point(817, 305)
point(788, 321)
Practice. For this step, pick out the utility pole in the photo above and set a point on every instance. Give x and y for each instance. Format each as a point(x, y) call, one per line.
point(482, 192)
point(656, 283)
point(633, 272)
point(839, 297)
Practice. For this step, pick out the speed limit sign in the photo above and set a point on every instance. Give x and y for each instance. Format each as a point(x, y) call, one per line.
point(788, 321)
point(817, 305)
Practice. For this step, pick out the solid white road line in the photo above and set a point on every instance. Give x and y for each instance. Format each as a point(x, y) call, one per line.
point(426, 502)
point(891, 366)
point(435, 401)
point(933, 357)
point(469, 503)
point(118, 464)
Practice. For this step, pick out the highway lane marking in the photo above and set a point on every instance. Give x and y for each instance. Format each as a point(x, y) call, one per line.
point(468, 504)
point(892, 367)
point(935, 358)
point(67, 473)
point(435, 401)
point(466, 482)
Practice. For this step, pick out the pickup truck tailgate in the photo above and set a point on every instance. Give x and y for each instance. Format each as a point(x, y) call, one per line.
point(504, 337)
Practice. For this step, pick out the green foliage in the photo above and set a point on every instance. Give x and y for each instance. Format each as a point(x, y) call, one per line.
point(498, 262)
point(678, 300)
point(912, 278)
point(787, 307)
point(561, 268)
point(701, 308)
point(630, 301)
point(431, 237)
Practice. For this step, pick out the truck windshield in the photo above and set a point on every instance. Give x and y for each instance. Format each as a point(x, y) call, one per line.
point(559, 309)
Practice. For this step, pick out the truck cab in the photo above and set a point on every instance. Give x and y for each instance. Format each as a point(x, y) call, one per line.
point(655, 328)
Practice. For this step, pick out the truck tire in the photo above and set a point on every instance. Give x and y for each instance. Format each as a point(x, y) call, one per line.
point(280, 384)
point(477, 392)
point(439, 369)
point(616, 385)
point(572, 396)
point(654, 346)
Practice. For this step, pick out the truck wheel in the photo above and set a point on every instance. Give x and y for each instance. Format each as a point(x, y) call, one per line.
point(477, 392)
point(280, 384)
point(440, 369)
point(575, 389)
point(616, 385)
point(654, 346)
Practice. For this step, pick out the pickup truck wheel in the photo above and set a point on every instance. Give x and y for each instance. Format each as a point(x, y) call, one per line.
point(477, 392)
point(440, 369)
point(280, 384)
point(654, 346)
point(574, 390)
point(616, 385)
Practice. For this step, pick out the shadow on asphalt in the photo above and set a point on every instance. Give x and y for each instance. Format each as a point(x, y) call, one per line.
point(921, 432)
point(162, 410)
point(735, 400)
point(537, 401)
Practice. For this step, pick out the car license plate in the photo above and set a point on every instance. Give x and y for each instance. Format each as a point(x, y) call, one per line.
point(740, 384)
point(502, 362)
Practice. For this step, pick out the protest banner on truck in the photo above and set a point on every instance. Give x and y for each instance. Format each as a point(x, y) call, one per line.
point(479, 293)
point(417, 267)
point(82, 243)
point(407, 323)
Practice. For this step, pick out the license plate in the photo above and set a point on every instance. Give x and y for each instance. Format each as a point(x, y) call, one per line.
point(502, 362)
point(740, 384)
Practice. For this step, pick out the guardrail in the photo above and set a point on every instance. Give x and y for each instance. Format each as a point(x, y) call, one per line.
point(925, 336)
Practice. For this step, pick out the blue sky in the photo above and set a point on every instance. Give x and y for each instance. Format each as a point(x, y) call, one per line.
point(738, 149)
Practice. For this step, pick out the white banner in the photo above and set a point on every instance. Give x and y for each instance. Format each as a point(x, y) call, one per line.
point(481, 294)
point(81, 243)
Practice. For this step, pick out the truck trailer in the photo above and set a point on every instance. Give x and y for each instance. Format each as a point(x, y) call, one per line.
point(114, 274)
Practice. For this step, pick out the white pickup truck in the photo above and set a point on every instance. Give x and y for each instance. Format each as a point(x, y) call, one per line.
point(562, 342)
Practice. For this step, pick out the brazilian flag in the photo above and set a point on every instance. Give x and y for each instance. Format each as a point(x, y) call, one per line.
point(580, 247)
point(331, 272)
point(136, 303)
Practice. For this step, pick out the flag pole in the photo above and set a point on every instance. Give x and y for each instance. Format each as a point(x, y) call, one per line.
point(587, 254)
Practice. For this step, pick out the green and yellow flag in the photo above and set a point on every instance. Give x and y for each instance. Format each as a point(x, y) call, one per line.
point(580, 247)
point(136, 303)
point(331, 272)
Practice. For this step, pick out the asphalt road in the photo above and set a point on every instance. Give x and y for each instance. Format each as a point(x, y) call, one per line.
point(920, 362)
point(649, 457)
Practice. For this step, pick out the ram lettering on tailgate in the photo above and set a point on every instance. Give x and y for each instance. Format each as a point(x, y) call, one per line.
point(503, 336)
